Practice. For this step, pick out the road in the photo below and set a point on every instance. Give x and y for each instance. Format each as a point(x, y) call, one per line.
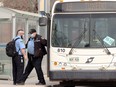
point(30, 82)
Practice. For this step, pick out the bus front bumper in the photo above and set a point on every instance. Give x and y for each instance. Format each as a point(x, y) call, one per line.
point(83, 75)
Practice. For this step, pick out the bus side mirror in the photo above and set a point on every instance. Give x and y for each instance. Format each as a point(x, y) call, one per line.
point(42, 21)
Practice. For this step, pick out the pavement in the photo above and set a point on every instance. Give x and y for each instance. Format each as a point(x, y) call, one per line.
point(30, 82)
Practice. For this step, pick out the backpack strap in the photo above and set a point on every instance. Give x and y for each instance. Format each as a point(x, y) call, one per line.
point(15, 41)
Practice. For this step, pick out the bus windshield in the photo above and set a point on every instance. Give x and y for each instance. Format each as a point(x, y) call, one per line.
point(84, 30)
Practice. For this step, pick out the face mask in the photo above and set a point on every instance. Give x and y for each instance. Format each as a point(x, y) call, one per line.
point(32, 36)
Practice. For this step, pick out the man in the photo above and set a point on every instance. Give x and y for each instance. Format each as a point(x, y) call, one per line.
point(36, 51)
point(18, 61)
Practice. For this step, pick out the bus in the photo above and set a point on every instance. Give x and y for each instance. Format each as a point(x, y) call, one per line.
point(81, 41)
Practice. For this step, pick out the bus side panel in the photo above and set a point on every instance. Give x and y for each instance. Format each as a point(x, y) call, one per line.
point(48, 45)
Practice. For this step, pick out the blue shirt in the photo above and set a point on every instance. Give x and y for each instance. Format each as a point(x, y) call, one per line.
point(19, 44)
point(30, 46)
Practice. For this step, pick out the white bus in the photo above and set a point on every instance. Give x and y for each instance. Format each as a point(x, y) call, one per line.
point(81, 41)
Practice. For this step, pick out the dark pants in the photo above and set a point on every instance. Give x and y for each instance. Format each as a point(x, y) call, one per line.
point(34, 62)
point(18, 68)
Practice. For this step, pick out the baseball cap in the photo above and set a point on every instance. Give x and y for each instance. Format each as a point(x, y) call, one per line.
point(32, 31)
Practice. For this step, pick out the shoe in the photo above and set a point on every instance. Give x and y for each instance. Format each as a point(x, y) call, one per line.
point(40, 83)
point(21, 83)
point(14, 83)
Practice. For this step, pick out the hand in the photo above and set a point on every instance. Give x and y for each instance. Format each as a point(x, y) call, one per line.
point(25, 57)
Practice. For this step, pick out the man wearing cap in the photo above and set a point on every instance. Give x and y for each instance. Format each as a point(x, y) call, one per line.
point(36, 50)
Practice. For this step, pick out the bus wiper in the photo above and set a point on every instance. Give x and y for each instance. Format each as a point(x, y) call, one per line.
point(100, 39)
point(79, 40)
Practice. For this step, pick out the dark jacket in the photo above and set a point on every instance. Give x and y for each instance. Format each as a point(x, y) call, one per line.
point(39, 46)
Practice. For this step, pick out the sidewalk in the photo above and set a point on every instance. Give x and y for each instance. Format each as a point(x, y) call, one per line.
point(30, 82)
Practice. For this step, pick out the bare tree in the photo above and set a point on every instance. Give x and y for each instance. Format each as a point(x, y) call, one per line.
point(25, 5)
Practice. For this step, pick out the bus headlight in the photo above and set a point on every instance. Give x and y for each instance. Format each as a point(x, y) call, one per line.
point(60, 64)
point(65, 64)
point(55, 63)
